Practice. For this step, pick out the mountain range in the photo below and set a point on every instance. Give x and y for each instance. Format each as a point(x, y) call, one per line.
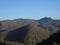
point(27, 31)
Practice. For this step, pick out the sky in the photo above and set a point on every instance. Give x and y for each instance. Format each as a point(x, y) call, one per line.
point(29, 9)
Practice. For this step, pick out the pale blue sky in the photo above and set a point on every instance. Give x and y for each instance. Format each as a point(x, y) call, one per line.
point(33, 9)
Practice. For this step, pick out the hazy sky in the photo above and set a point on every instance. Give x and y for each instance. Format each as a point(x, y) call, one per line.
point(34, 9)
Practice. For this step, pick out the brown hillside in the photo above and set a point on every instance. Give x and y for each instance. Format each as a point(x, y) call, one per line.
point(28, 34)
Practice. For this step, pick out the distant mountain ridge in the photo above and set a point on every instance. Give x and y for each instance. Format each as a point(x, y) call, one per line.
point(44, 22)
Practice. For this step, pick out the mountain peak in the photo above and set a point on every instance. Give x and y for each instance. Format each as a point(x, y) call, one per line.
point(45, 19)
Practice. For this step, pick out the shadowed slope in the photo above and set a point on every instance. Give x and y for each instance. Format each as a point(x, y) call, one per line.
point(53, 38)
point(17, 35)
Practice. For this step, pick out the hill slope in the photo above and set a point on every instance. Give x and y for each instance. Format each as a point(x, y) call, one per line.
point(29, 33)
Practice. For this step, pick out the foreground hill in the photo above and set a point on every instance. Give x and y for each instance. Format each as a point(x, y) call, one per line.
point(28, 34)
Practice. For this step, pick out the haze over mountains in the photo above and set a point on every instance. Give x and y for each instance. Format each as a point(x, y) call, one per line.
point(28, 30)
